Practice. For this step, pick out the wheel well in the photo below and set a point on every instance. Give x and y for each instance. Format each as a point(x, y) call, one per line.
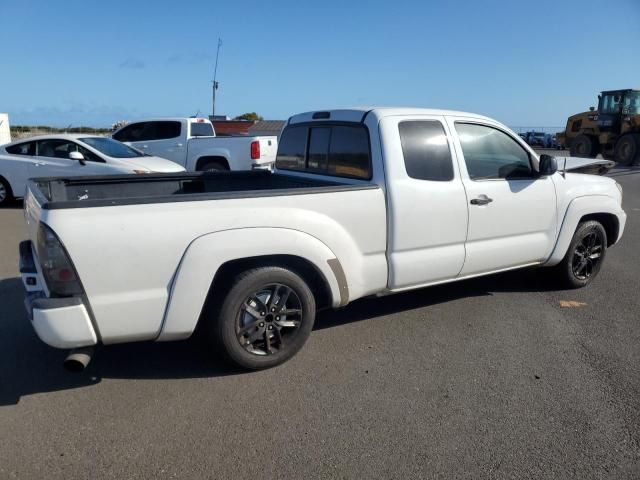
point(314, 278)
point(202, 161)
point(608, 221)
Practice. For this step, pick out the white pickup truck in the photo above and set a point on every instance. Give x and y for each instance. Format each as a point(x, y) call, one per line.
point(192, 143)
point(362, 202)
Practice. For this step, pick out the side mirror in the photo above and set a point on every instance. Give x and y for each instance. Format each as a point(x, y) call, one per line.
point(548, 165)
point(77, 156)
point(591, 109)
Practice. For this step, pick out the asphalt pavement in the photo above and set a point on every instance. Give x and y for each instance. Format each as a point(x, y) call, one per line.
point(498, 377)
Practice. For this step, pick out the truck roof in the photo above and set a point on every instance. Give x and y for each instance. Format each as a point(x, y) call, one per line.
point(357, 114)
point(169, 119)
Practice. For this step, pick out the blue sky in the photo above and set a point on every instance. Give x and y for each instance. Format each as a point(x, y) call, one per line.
point(528, 63)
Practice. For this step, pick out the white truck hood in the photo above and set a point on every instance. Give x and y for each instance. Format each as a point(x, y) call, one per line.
point(584, 165)
point(153, 164)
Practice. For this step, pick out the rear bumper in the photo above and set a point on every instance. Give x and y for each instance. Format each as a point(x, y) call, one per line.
point(263, 166)
point(59, 322)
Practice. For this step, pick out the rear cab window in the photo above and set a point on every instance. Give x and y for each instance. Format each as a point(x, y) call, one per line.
point(336, 149)
point(201, 129)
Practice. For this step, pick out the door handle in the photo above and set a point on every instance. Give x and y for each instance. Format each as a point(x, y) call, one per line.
point(178, 144)
point(481, 200)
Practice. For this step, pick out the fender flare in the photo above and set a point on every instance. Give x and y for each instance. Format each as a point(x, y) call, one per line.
point(577, 209)
point(206, 254)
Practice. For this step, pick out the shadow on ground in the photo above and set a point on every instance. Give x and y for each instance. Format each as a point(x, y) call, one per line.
point(13, 205)
point(27, 366)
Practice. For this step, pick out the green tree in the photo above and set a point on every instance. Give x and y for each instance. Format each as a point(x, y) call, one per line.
point(250, 116)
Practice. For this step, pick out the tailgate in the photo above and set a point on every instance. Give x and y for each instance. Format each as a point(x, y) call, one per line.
point(268, 149)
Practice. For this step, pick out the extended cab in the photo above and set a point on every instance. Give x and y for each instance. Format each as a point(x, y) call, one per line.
point(192, 143)
point(362, 202)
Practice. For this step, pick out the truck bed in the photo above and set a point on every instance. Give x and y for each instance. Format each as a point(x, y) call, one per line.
point(96, 191)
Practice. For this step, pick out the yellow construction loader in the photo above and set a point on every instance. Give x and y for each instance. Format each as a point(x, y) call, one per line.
point(612, 130)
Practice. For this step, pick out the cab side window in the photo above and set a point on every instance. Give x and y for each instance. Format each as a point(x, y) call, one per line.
point(146, 131)
point(55, 148)
point(491, 154)
point(426, 150)
point(131, 133)
point(27, 148)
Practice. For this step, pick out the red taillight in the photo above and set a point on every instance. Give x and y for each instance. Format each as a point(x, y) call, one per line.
point(255, 150)
point(56, 266)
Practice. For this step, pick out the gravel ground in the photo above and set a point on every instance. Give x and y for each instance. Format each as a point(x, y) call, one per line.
point(490, 378)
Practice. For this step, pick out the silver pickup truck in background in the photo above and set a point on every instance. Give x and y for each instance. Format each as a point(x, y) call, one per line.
point(361, 202)
point(192, 143)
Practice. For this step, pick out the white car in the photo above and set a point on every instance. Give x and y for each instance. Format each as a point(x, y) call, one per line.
point(70, 155)
point(193, 143)
point(362, 202)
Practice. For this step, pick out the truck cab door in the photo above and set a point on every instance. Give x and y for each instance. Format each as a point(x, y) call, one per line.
point(512, 210)
point(427, 207)
point(166, 139)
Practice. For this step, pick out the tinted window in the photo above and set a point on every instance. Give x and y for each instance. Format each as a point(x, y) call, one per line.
point(164, 130)
point(349, 152)
point(337, 150)
point(28, 148)
point(319, 148)
point(144, 131)
point(55, 148)
point(426, 150)
point(130, 133)
point(202, 129)
point(291, 148)
point(490, 153)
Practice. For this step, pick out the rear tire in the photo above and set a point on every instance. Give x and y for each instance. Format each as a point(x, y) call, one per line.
point(213, 166)
point(265, 318)
point(584, 146)
point(584, 256)
point(6, 195)
point(627, 150)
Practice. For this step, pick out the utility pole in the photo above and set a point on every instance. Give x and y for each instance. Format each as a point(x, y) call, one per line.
point(214, 82)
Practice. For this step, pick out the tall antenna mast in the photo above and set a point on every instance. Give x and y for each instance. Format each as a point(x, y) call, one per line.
point(214, 82)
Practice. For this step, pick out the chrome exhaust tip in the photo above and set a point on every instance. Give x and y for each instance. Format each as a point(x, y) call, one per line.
point(78, 359)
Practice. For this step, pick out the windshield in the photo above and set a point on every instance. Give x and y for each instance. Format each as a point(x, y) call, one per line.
point(111, 148)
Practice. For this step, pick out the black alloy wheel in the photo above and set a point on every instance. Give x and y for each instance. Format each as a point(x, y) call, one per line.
point(587, 255)
point(269, 319)
point(584, 257)
point(264, 319)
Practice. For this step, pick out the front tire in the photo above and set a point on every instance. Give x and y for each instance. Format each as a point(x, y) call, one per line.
point(265, 319)
point(584, 146)
point(585, 255)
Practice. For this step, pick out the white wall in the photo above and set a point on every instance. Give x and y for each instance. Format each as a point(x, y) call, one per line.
point(5, 133)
